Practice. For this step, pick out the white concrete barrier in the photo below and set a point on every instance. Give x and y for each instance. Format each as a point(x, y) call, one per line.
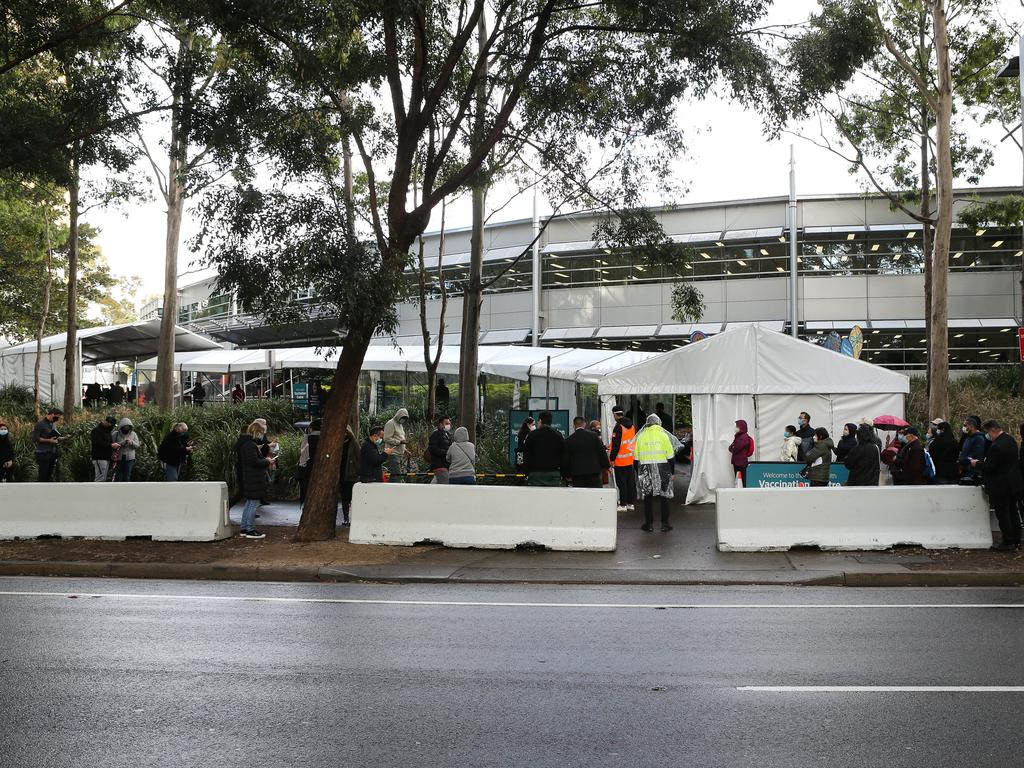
point(165, 511)
point(488, 517)
point(931, 516)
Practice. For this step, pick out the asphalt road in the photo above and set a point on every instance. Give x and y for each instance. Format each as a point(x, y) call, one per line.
point(193, 674)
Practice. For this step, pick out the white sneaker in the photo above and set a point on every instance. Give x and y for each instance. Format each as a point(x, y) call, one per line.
point(630, 508)
point(620, 508)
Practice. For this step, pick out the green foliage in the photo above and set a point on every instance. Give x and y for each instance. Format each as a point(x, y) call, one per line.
point(991, 394)
point(687, 303)
point(1007, 211)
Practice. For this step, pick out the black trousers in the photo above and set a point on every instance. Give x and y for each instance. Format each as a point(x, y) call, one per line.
point(46, 462)
point(649, 510)
point(1009, 521)
point(346, 497)
point(586, 481)
point(625, 481)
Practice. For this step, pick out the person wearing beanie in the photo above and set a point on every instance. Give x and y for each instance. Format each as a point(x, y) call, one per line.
point(741, 449)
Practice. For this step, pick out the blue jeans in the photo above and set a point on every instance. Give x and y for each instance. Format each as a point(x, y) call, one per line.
point(249, 514)
point(170, 473)
point(124, 470)
point(462, 480)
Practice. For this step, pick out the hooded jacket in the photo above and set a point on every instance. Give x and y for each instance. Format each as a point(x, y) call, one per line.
point(129, 443)
point(944, 455)
point(172, 448)
point(437, 446)
point(864, 459)
point(394, 433)
point(741, 447)
point(100, 442)
point(790, 449)
point(821, 450)
point(252, 468)
point(461, 455)
point(846, 443)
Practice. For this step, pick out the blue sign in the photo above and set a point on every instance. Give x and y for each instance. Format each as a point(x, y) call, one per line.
point(846, 348)
point(300, 394)
point(515, 422)
point(778, 474)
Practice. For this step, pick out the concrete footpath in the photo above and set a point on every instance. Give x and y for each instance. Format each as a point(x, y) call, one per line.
point(686, 556)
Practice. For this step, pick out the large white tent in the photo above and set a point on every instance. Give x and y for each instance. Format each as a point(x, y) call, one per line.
point(765, 378)
point(125, 343)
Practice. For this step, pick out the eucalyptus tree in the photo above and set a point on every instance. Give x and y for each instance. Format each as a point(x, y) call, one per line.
point(561, 79)
point(906, 116)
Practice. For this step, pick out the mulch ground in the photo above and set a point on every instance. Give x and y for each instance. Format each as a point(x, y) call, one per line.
point(277, 548)
point(969, 560)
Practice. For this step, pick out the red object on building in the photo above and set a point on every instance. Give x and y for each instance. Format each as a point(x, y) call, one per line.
point(1020, 342)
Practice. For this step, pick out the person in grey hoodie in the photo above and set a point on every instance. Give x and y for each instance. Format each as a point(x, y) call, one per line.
point(127, 443)
point(394, 438)
point(462, 459)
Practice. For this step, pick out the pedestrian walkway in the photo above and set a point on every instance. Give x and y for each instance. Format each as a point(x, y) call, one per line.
point(687, 553)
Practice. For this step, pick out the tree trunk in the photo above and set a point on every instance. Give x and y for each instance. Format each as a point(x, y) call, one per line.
point(938, 363)
point(320, 512)
point(72, 383)
point(472, 292)
point(175, 206)
point(433, 360)
point(45, 314)
point(926, 241)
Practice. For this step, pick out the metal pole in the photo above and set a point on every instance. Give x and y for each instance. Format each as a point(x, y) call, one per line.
point(547, 385)
point(793, 312)
point(1020, 79)
point(536, 271)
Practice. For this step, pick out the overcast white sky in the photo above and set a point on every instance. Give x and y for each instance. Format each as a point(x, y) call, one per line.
point(728, 158)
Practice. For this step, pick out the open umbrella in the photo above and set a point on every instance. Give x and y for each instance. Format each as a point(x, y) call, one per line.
point(888, 421)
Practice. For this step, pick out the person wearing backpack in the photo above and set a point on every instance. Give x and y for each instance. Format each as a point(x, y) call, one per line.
point(913, 460)
point(742, 448)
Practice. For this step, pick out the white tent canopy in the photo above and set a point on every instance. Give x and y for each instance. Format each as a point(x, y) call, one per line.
point(765, 378)
point(125, 343)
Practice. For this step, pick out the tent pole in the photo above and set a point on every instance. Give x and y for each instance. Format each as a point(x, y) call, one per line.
point(547, 385)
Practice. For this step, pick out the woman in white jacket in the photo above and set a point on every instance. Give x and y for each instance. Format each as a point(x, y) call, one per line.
point(790, 445)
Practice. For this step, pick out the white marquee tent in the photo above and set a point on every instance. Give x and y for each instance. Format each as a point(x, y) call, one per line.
point(766, 378)
point(124, 343)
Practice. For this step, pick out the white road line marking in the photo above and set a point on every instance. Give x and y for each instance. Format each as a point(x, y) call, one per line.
point(882, 688)
point(508, 604)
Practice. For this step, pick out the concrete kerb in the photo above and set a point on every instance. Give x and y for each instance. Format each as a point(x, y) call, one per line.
point(403, 575)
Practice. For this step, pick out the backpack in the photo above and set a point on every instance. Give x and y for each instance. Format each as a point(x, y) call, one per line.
point(929, 467)
point(750, 450)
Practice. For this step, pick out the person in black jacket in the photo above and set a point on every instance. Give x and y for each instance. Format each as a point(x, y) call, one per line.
point(542, 454)
point(1003, 483)
point(846, 443)
point(102, 448)
point(944, 453)
point(6, 454)
point(585, 457)
point(372, 457)
point(253, 467)
point(806, 434)
point(437, 446)
point(864, 459)
point(174, 451)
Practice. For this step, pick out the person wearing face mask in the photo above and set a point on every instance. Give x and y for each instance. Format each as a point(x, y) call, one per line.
point(394, 438)
point(806, 434)
point(790, 445)
point(944, 454)
point(1003, 483)
point(972, 451)
point(909, 466)
point(46, 438)
point(818, 460)
point(524, 432)
point(437, 450)
point(174, 451)
point(6, 454)
point(127, 444)
point(741, 449)
point(846, 443)
point(372, 456)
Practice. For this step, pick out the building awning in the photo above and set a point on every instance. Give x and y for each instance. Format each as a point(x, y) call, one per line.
point(763, 233)
point(517, 336)
point(897, 325)
point(697, 237)
point(835, 230)
point(677, 330)
point(768, 325)
point(833, 325)
point(578, 246)
point(627, 331)
point(908, 227)
point(565, 334)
